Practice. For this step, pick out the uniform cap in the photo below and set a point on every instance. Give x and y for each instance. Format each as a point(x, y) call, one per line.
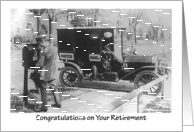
point(38, 38)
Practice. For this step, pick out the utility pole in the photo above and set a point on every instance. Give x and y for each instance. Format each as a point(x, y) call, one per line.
point(38, 22)
point(131, 39)
point(163, 39)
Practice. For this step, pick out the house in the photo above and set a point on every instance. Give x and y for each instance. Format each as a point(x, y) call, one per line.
point(25, 25)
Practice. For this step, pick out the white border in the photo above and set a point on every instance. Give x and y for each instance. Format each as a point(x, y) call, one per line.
point(154, 122)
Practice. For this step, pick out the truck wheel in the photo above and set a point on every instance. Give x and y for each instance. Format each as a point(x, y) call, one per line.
point(145, 77)
point(70, 77)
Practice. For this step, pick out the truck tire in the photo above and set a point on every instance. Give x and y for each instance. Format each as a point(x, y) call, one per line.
point(145, 77)
point(70, 77)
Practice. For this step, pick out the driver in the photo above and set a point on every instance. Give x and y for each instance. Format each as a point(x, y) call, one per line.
point(106, 58)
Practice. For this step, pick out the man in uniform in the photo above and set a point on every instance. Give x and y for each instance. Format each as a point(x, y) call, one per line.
point(46, 62)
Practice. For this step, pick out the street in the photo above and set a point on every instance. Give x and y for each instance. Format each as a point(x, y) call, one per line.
point(86, 99)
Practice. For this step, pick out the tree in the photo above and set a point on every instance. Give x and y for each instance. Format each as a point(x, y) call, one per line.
point(95, 12)
point(38, 12)
point(140, 31)
point(162, 35)
point(138, 14)
point(106, 16)
point(155, 29)
point(51, 16)
point(157, 19)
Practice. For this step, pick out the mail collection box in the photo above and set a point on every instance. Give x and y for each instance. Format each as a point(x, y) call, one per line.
point(30, 55)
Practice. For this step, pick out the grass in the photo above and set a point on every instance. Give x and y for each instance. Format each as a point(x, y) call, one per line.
point(17, 103)
point(158, 105)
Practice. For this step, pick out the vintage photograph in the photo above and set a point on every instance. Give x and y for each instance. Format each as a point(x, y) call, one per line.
point(90, 60)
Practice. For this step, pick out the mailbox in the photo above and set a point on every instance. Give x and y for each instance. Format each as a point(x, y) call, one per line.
point(30, 54)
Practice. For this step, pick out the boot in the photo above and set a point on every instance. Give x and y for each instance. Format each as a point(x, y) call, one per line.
point(56, 97)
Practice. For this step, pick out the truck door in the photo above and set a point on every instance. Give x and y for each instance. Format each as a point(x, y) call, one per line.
point(94, 45)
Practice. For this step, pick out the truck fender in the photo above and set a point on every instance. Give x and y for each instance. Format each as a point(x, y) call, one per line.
point(136, 71)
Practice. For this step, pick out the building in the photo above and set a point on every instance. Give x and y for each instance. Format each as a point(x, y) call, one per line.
point(24, 24)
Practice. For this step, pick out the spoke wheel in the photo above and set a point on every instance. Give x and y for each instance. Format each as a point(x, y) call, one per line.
point(145, 77)
point(70, 77)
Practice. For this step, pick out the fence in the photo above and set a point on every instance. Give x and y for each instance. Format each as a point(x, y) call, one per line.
point(137, 92)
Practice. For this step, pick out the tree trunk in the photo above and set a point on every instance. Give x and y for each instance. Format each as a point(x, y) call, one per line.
point(94, 20)
point(38, 25)
point(95, 16)
point(154, 34)
point(51, 31)
point(156, 37)
point(135, 35)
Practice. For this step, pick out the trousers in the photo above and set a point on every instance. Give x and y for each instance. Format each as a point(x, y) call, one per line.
point(48, 85)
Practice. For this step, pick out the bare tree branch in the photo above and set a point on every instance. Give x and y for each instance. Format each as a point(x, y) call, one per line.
point(138, 14)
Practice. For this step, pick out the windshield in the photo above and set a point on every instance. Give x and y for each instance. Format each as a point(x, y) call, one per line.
point(115, 56)
point(117, 44)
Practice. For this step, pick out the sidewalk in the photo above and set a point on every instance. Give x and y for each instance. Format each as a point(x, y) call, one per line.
point(92, 101)
point(87, 103)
